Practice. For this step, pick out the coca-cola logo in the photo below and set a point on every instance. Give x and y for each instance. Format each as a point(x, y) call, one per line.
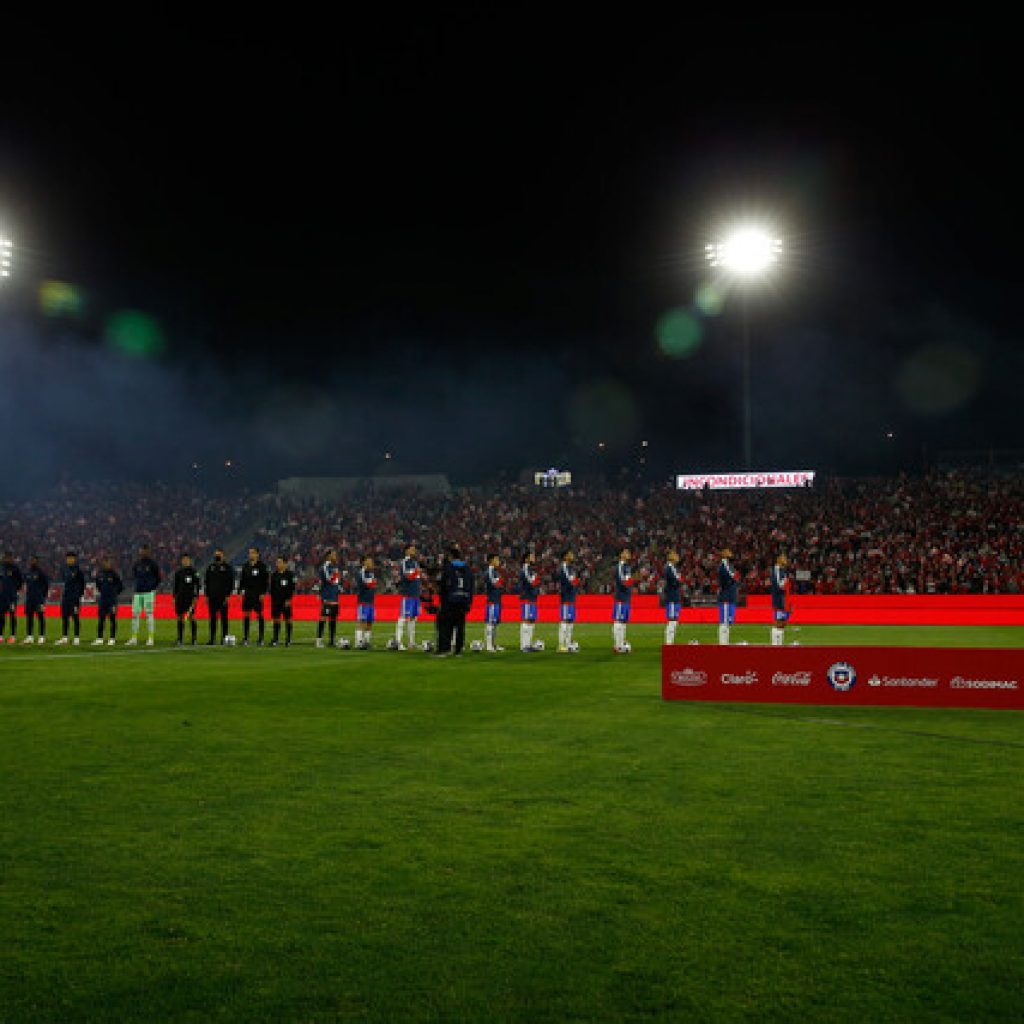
point(688, 677)
point(791, 679)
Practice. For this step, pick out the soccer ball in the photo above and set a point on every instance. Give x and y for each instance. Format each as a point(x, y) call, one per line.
point(230, 640)
point(538, 645)
point(427, 646)
point(344, 643)
point(392, 644)
point(476, 645)
point(363, 645)
point(626, 648)
point(574, 647)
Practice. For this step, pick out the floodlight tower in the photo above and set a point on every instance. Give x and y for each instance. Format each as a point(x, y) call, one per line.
point(6, 256)
point(745, 254)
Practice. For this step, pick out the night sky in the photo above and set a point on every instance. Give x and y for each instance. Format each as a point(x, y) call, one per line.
point(455, 241)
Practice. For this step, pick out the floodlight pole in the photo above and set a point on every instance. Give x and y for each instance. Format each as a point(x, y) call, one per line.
point(748, 443)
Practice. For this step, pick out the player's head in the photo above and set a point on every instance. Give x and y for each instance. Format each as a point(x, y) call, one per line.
point(332, 556)
point(8, 556)
point(34, 561)
point(493, 560)
point(107, 562)
point(254, 554)
point(673, 556)
point(624, 555)
point(144, 550)
point(410, 550)
point(782, 561)
point(218, 554)
point(455, 553)
point(281, 563)
point(530, 558)
point(568, 557)
point(726, 554)
point(71, 557)
point(186, 561)
point(367, 562)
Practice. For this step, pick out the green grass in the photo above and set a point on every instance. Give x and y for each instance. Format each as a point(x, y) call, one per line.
point(304, 835)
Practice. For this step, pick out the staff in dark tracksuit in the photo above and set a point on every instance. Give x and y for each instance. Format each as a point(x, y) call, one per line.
point(37, 587)
point(108, 589)
point(282, 590)
point(219, 582)
point(455, 592)
point(11, 581)
point(253, 583)
point(74, 589)
point(186, 587)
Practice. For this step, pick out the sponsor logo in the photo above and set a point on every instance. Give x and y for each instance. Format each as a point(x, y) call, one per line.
point(735, 679)
point(791, 679)
point(688, 677)
point(841, 676)
point(960, 683)
point(877, 680)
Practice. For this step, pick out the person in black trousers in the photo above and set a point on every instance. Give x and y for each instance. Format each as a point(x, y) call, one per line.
point(455, 592)
point(219, 582)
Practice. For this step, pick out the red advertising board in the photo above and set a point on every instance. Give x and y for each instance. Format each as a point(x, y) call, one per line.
point(964, 677)
point(808, 610)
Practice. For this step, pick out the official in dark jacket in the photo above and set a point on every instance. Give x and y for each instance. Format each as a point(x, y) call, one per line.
point(218, 582)
point(253, 583)
point(11, 581)
point(37, 588)
point(455, 593)
point(108, 589)
point(70, 603)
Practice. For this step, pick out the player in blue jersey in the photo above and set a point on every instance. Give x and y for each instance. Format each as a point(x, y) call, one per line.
point(529, 591)
point(366, 591)
point(728, 594)
point(494, 587)
point(622, 592)
point(330, 592)
point(672, 595)
point(410, 582)
point(568, 587)
point(780, 600)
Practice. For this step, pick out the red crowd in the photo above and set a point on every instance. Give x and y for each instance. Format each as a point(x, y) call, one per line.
point(943, 533)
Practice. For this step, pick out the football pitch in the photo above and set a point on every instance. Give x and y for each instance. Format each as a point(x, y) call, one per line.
point(320, 835)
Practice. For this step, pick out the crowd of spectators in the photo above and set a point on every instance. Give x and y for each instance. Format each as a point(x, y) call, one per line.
point(943, 533)
point(106, 518)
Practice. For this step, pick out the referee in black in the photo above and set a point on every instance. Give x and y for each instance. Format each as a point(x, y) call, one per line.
point(455, 593)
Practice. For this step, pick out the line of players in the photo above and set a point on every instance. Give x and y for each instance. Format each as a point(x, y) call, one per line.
point(255, 581)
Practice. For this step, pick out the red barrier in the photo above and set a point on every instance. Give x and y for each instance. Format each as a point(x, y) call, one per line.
point(813, 609)
point(913, 676)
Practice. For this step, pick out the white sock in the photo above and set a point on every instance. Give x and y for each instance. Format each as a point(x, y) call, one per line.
point(777, 636)
point(399, 629)
point(412, 631)
point(529, 634)
point(617, 634)
point(561, 634)
point(135, 623)
point(723, 634)
point(524, 635)
point(489, 636)
point(568, 633)
point(151, 622)
point(670, 632)
point(359, 636)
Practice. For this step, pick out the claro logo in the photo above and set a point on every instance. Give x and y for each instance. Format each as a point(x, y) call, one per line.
point(791, 679)
point(735, 679)
point(688, 677)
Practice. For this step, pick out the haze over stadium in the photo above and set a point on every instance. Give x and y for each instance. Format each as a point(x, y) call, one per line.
point(692, 335)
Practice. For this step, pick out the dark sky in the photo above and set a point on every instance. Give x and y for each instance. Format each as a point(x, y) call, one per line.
point(455, 240)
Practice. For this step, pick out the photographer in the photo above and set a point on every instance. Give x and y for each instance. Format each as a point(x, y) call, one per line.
point(455, 593)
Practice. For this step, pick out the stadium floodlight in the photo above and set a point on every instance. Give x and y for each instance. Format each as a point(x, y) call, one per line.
point(6, 255)
point(747, 253)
